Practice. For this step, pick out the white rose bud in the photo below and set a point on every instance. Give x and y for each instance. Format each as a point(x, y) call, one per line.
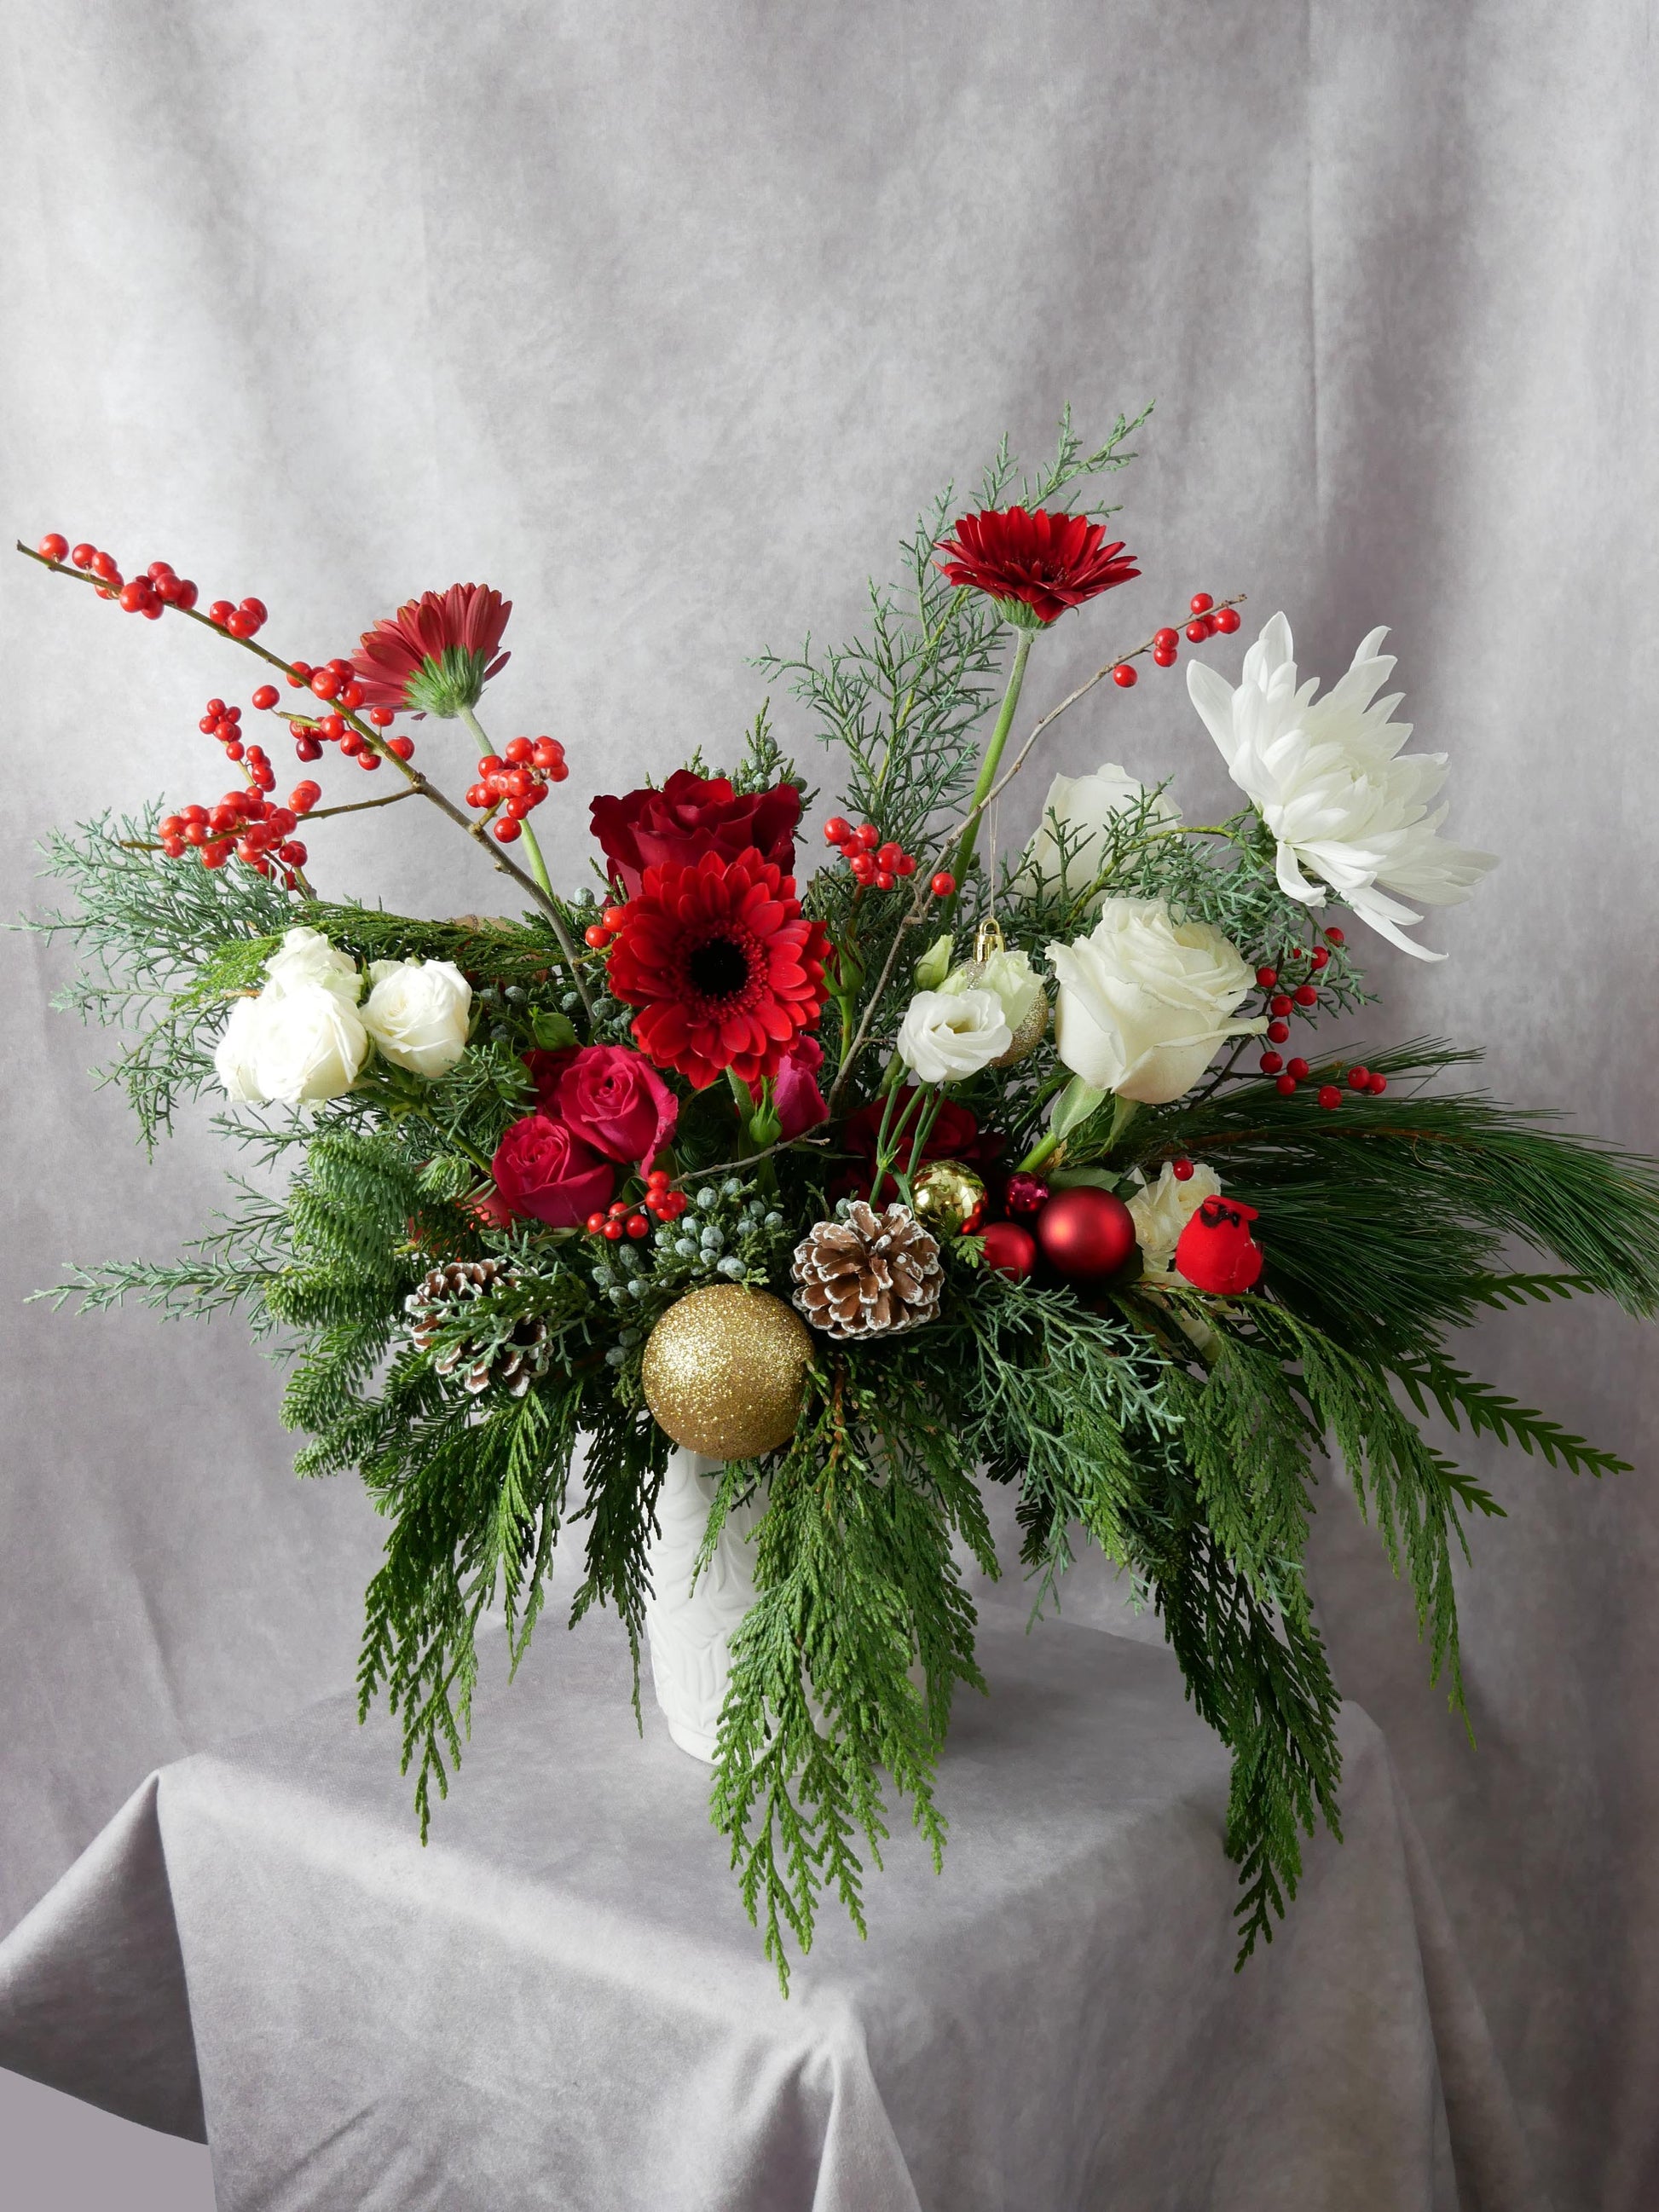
point(1082, 807)
point(945, 1037)
point(1161, 1210)
point(1008, 976)
point(1144, 1001)
point(417, 1011)
point(292, 1046)
point(307, 956)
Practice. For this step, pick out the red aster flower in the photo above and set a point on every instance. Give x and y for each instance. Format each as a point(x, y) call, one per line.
point(437, 653)
point(1035, 566)
point(725, 969)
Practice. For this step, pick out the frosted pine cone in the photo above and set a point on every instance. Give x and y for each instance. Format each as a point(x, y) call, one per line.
point(509, 1352)
point(869, 1273)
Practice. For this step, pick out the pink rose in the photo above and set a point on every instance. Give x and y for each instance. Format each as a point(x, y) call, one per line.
point(796, 1097)
point(548, 1175)
point(616, 1102)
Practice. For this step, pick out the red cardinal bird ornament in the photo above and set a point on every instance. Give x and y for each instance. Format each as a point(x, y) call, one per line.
point(1217, 1252)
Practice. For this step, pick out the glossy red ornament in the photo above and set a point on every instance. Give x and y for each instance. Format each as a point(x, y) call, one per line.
point(1217, 1252)
point(1010, 1250)
point(1085, 1235)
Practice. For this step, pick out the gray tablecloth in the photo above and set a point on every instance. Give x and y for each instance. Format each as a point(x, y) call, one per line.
point(559, 2003)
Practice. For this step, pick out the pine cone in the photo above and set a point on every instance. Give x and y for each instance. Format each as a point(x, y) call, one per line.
point(509, 1352)
point(869, 1273)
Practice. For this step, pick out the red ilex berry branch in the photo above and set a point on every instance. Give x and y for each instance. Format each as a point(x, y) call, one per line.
point(624, 1217)
point(162, 589)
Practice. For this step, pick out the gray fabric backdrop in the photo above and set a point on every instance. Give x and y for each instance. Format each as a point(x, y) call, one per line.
point(662, 317)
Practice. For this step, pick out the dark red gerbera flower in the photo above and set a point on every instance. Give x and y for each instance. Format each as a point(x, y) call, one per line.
point(437, 653)
point(725, 969)
point(692, 815)
point(1034, 565)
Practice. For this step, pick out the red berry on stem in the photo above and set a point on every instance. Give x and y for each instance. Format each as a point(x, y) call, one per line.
point(1279, 1031)
point(1305, 996)
point(905, 864)
point(1227, 620)
point(595, 934)
point(1164, 656)
point(382, 717)
point(402, 747)
point(1266, 977)
point(638, 1225)
point(1197, 632)
point(863, 866)
point(325, 683)
point(519, 751)
point(221, 612)
point(613, 1231)
point(1124, 676)
point(53, 546)
point(837, 829)
point(134, 596)
point(1329, 1097)
point(1280, 1003)
point(1319, 958)
point(547, 752)
point(868, 835)
point(1335, 936)
point(886, 879)
point(1272, 1062)
point(1286, 1085)
point(1182, 1169)
point(1359, 1078)
point(82, 555)
point(186, 596)
point(299, 674)
point(1297, 1068)
point(365, 758)
point(1376, 1085)
point(943, 884)
point(351, 697)
point(890, 855)
point(103, 564)
point(256, 608)
point(1200, 603)
point(1168, 639)
point(239, 623)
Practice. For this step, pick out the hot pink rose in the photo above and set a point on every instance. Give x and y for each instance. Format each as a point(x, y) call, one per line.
point(544, 1172)
point(795, 1094)
point(616, 1102)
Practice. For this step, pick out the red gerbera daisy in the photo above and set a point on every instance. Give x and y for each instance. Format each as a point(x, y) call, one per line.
point(725, 969)
point(1034, 565)
point(437, 653)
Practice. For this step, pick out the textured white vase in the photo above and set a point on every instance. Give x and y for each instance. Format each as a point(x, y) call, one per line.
point(690, 1630)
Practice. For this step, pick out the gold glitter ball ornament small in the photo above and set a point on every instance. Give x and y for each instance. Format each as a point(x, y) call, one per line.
point(950, 1198)
point(724, 1371)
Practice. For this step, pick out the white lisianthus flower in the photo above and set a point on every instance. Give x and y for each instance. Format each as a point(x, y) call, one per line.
point(1161, 1210)
point(417, 1011)
point(1077, 816)
point(292, 1046)
point(1329, 779)
point(1144, 1001)
point(946, 1036)
point(307, 956)
point(1008, 976)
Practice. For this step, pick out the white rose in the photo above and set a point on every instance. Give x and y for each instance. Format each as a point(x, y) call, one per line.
point(301, 1045)
point(945, 1036)
point(234, 1056)
point(418, 1012)
point(307, 956)
point(1084, 808)
point(1163, 1209)
point(1008, 976)
point(1144, 1001)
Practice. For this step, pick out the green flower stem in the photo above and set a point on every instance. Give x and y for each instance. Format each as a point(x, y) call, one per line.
point(1043, 1148)
point(987, 772)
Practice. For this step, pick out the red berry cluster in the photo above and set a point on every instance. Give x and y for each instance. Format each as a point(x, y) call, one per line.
point(159, 587)
point(599, 933)
point(332, 682)
point(1166, 643)
point(246, 618)
point(875, 862)
point(516, 780)
point(244, 822)
point(1285, 995)
point(624, 1217)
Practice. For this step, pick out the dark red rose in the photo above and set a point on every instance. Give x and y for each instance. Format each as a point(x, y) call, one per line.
point(955, 1135)
point(692, 815)
point(546, 1069)
point(616, 1102)
point(1217, 1252)
point(796, 1097)
point(546, 1173)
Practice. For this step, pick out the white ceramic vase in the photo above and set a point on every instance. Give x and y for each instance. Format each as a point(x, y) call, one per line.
point(689, 1631)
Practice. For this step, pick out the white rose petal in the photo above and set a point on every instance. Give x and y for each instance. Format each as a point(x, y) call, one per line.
point(307, 956)
point(1144, 1001)
point(1083, 807)
point(234, 1056)
point(1332, 781)
point(1161, 1210)
point(300, 1044)
point(945, 1036)
point(1008, 976)
point(418, 1012)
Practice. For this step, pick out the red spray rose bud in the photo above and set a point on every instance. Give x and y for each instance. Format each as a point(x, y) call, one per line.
point(1217, 1252)
point(545, 1173)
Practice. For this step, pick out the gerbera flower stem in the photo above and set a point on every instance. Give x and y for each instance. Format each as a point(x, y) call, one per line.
point(988, 766)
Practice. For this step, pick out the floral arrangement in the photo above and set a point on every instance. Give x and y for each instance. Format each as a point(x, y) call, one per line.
point(943, 1167)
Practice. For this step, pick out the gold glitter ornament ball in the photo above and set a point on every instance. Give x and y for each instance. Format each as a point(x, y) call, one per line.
point(724, 1371)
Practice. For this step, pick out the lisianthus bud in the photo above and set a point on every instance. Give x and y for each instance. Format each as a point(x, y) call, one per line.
point(934, 964)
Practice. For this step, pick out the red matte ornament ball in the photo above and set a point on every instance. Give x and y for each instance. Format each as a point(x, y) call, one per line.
point(1085, 1235)
point(1010, 1250)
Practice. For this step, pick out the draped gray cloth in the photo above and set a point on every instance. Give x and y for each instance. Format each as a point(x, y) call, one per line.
point(560, 2001)
point(665, 318)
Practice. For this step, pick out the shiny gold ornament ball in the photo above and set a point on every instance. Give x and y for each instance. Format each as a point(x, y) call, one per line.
point(950, 1198)
point(724, 1371)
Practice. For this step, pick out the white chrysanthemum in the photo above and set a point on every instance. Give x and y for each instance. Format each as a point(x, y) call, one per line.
point(1331, 782)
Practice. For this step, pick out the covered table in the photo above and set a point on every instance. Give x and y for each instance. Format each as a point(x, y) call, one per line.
point(560, 2002)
